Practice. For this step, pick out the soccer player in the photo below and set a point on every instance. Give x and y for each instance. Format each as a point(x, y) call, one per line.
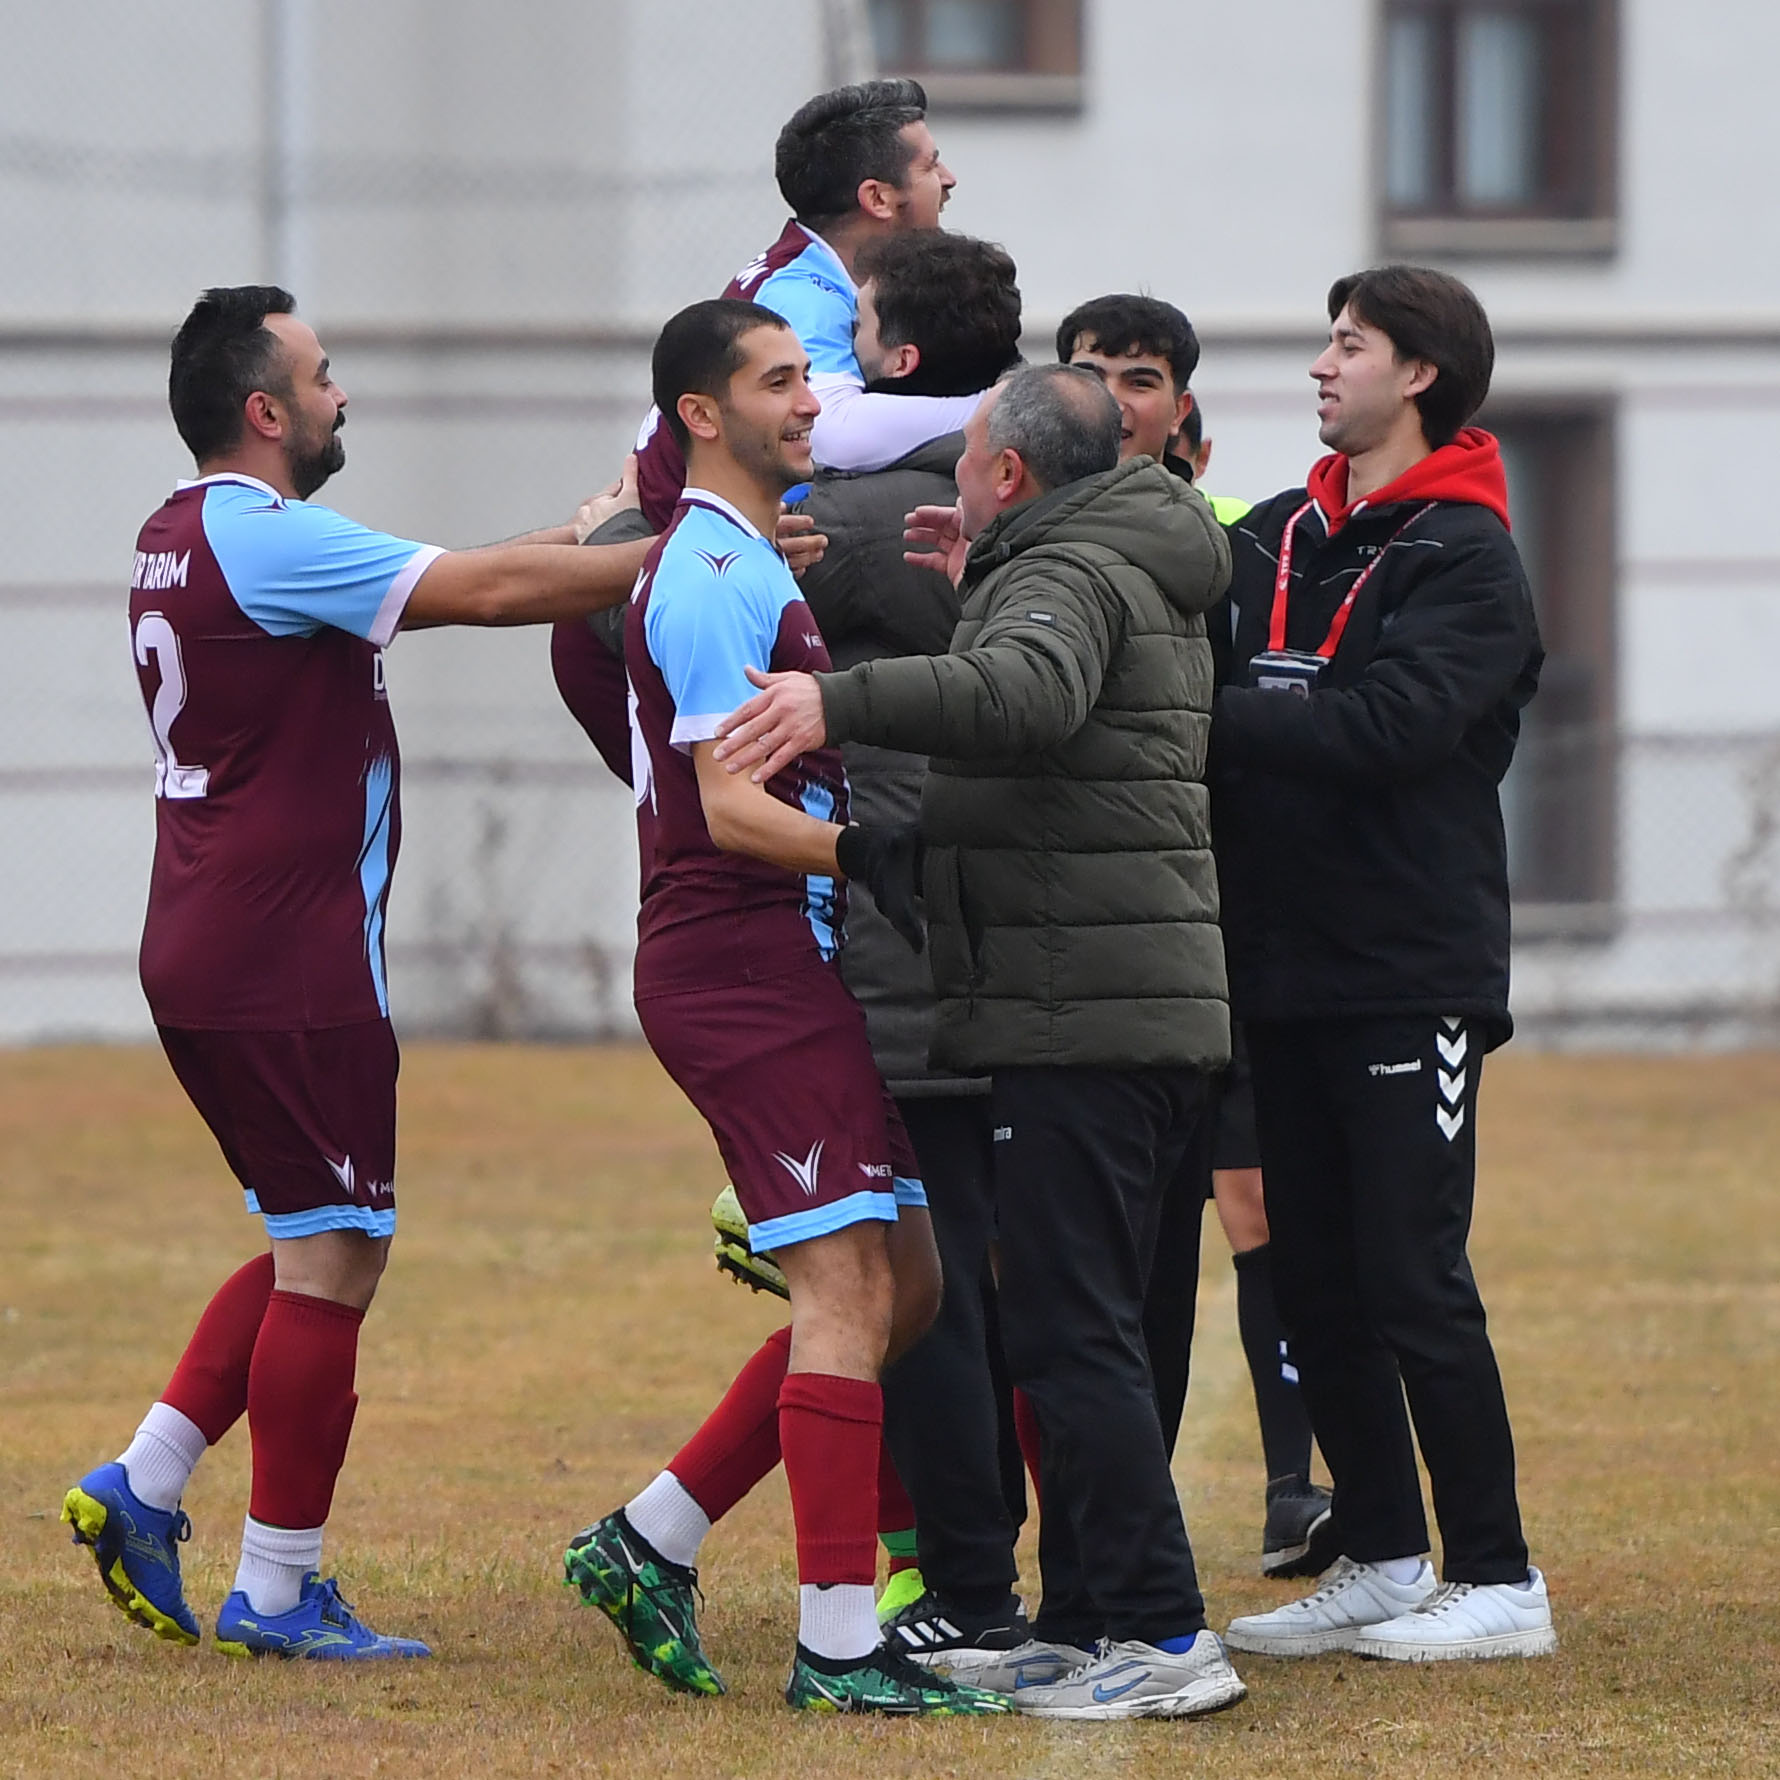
point(259, 624)
point(1145, 351)
point(854, 165)
point(738, 996)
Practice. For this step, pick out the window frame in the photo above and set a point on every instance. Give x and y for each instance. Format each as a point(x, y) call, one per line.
point(1049, 78)
point(1570, 888)
point(1579, 221)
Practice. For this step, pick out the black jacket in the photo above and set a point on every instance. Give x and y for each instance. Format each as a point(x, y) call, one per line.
point(1359, 830)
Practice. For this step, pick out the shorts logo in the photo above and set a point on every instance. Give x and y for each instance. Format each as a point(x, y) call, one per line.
point(1003, 1134)
point(343, 1174)
point(352, 1186)
point(1413, 1067)
point(719, 559)
point(804, 1172)
point(874, 1170)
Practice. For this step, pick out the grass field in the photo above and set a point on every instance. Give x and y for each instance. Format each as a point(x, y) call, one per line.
point(551, 1328)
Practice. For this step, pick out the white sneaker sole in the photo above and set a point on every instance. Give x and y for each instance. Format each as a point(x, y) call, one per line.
point(1212, 1693)
point(1294, 1643)
point(956, 1663)
point(1536, 1641)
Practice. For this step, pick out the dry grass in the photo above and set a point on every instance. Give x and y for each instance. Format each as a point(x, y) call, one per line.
point(552, 1327)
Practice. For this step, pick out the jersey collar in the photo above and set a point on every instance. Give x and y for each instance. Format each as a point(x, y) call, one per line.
point(186, 482)
point(702, 497)
point(831, 261)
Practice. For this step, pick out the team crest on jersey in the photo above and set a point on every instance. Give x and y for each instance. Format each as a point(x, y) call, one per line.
point(719, 559)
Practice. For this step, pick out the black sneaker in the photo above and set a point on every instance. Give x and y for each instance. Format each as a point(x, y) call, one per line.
point(1300, 1536)
point(936, 1634)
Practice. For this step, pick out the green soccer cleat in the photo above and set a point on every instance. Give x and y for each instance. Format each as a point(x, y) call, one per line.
point(885, 1682)
point(652, 1603)
point(759, 1273)
point(902, 1590)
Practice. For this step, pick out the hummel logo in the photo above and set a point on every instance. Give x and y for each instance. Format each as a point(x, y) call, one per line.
point(719, 560)
point(804, 1172)
point(1411, 1068)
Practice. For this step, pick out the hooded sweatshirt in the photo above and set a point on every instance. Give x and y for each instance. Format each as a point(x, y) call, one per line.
point(1070, 891)
point(1359, 829)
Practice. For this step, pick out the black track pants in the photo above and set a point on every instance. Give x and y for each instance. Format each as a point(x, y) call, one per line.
point(1081, 1160)
point(1368, 1145)
point(941, 1414)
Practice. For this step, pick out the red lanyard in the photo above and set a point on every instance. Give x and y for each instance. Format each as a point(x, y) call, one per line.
point(1276, 629)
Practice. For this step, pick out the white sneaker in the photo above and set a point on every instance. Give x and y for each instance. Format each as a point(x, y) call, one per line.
point(1032, 1664)
point(1467, 1621)
point(1350, 1598)
point(1136, 1680)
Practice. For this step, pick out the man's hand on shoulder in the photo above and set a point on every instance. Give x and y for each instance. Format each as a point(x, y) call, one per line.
point(783, 720)
point(598, 508)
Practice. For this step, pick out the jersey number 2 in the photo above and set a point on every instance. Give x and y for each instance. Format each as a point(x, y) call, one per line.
point(156, 637)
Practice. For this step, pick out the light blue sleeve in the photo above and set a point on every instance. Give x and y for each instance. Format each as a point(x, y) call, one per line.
point(295, 569)
point(821, 315)
point(705, 628)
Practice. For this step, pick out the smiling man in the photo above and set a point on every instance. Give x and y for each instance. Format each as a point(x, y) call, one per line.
point(737, 993)
point(1384, 648)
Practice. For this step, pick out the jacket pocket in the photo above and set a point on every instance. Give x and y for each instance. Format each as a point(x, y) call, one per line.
point(957, 937)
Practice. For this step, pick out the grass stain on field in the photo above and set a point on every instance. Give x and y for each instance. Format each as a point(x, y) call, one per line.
point(551, 1327)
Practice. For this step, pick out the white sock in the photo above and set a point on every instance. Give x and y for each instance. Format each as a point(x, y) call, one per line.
point(160, 1460)
point(1401, 1571)
point(838, 1620)
point(274, 1561)
point(666, 1515)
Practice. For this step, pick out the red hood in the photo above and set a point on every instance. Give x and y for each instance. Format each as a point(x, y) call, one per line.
point(1469, 469)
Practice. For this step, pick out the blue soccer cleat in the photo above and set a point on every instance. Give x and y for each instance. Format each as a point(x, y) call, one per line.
point(137, 1550)
point(321, 1626)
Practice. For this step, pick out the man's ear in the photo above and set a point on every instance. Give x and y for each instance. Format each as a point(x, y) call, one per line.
point(263, 416)
point(1010, 474)
point(698, 414)
point(879, 199)
point(1182, 408)
point(1423, 373)
point(902, 361)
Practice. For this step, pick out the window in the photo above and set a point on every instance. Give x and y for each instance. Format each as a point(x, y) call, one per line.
point(1498, 125)
point(1000, 54)
point(1559, 798)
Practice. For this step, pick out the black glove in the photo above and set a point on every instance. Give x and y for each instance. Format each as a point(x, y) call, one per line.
point(888, 862)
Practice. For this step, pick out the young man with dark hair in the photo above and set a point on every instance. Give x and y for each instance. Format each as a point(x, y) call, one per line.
point(738, 996)
point(1384, 648)
point(855, 165)
point(1146, 352)
point(259, 625)
point(938, 314)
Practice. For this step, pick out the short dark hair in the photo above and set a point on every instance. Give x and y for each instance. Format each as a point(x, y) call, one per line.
point(1433, 316)
point(952, 296)
point(836, 141)
point(699, 350)
point(222, 353)
point(1061, 419)
point(1125, 323)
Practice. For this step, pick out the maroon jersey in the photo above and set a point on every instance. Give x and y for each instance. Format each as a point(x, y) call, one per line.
point(800, 278)
point(714, 599)
point(259, 624)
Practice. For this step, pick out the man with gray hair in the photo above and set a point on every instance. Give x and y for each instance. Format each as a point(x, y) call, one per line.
point(1072, 913)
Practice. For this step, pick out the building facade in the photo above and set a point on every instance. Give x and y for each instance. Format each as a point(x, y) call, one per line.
point(488, 214)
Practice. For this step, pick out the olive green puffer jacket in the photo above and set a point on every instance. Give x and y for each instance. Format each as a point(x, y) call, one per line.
point(1072, 902)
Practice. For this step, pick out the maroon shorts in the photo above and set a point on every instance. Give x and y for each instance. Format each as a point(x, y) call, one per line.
point(307, 1120)
point(783, 1074)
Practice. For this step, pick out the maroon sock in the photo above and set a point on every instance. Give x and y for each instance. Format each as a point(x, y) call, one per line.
point(300, 1405)
point(1026, 1430)
point(209, 1385)
point(896, 1513)
point(738, 1443)
point(830, 1430)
